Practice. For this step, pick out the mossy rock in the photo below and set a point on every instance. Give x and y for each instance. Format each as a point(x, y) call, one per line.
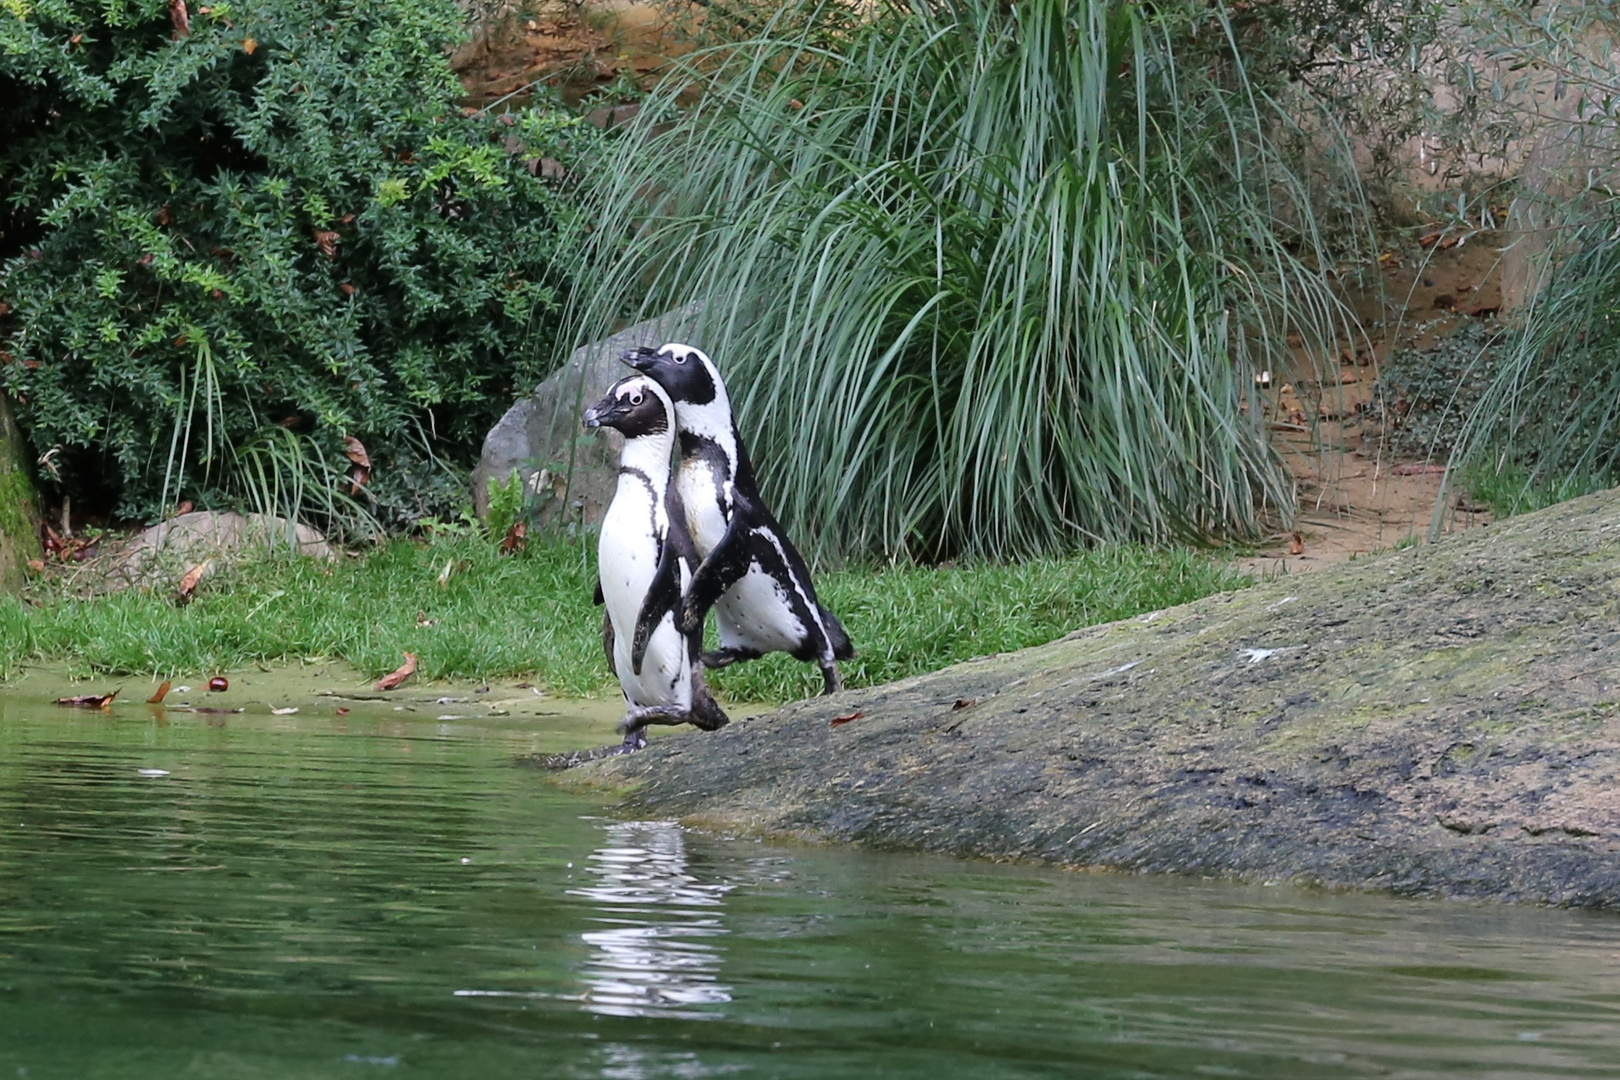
point(19, 509)
point(1443, 720)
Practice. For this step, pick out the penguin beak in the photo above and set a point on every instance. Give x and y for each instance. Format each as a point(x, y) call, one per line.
point(604, 413)
point(641, 359)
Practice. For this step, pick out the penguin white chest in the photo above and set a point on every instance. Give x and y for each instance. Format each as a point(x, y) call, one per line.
point(627, 559)
point(757, 613)
point(705, 491)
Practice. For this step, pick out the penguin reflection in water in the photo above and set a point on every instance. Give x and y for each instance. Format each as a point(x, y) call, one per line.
point(751, 574)
point(645, 562)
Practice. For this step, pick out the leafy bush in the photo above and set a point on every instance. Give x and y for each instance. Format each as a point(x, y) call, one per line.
point(232, 242)
point(986, 278)
point(1424, 393)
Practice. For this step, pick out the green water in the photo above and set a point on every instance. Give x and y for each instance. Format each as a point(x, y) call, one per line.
point(387, 895)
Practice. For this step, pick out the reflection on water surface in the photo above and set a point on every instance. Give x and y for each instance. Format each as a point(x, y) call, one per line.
point(299, 897)
point(658, 958)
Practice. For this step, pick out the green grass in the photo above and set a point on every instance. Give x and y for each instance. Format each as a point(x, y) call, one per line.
point(532, 615)
point(1513, 489)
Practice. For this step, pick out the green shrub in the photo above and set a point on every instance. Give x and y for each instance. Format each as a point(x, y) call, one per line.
point(987, 278)
point(227, 247)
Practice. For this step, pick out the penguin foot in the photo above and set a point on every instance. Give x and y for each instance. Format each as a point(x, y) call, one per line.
point(642, 715)
point(831, 681)
point(634, 740)
point(725, 657)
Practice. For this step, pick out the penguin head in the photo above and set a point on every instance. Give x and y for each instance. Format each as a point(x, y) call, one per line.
point(635, 405)
point(687, 373)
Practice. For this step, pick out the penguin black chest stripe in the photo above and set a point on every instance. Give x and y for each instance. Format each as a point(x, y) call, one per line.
point(702, 452)
point(655, 498)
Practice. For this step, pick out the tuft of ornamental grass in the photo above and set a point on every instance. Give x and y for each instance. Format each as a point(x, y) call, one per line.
point(986, 279)
point(1547, 425)
point(531, 615)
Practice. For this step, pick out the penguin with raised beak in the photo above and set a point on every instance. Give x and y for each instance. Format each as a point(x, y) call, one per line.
point(645, 562)
point(751, 575)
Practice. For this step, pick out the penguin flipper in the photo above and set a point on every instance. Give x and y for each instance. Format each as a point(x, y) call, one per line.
point(597, 598)
point(724, 566)
point(607, 639)
point(663, 596)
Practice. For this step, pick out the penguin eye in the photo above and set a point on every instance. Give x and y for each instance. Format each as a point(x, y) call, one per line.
point(680, 358)
point(635, 398)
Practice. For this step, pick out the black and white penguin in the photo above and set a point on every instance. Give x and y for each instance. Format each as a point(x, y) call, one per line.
point(645, 561)
point(751, 573)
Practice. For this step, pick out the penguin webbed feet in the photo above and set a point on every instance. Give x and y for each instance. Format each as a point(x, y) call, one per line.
point(725, 657)
point(634, 739)
point(639, 717)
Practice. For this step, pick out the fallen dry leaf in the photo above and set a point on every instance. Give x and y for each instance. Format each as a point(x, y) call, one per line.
point(341, 711)
point(361, 473)
point(963, 703)
point(162, 692)
point(516, 537)
point(88, 701)
point(399, 674)
point(1297, 546)
point(180, 17)
point(327, 241)
point(423, 621)
point(840, 721)
point(283, 712)
point(445, 574)
point(36, 565)
point(188, 583)
point(249, 46)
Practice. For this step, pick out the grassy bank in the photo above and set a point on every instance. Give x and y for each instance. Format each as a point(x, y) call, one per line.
point(532, 615)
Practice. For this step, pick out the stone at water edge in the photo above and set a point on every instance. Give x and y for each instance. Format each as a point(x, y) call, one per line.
point(1443, 720)
point(569, 473)
point(163, 553)
point(19, 511)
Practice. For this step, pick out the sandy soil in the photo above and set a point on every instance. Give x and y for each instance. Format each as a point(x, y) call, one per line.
point(1355, 497)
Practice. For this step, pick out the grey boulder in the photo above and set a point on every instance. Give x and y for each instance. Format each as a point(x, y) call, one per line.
point(568, 474)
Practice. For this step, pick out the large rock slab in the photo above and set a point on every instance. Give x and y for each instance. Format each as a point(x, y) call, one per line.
point(568, 475)
point(1443, 720)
